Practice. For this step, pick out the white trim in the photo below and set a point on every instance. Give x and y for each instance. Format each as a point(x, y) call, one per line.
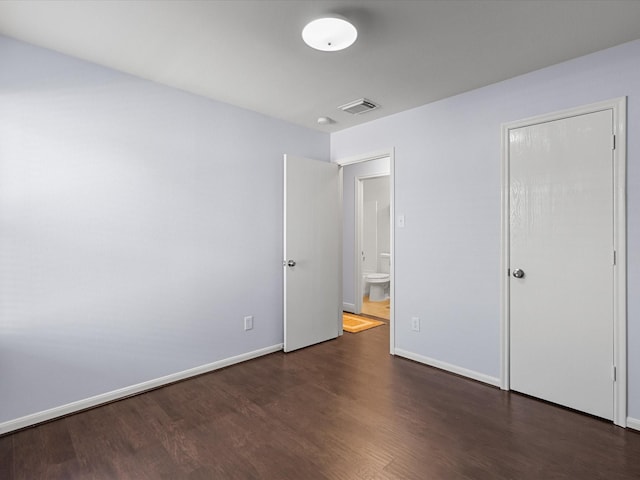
point(121, 393)
point(365, 157)
point(464, 372)
point(633, 423)
point(375, 156)
point(504, 260)
point(340, 318)
point(348, 307)
point(618, 106)
point(620, 270)
point(284, 248)
point(358, 221)
point(392, 245)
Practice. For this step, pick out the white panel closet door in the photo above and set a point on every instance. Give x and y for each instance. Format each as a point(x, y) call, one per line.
point(561, 237)
point(312, 252)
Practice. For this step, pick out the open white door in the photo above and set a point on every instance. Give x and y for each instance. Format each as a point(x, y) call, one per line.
point(312, 252)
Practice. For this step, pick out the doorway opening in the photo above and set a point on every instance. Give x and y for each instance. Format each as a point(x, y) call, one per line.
point(373, 233)
point(368, 275)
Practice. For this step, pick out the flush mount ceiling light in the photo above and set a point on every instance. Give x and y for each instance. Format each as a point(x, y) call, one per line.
point(329, 34)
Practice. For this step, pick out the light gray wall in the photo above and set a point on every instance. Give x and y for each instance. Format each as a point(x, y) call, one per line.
point(349, 174)
point(138, 225)
point(447, 174)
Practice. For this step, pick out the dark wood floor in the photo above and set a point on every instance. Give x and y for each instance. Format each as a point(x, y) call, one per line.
point(341, 410)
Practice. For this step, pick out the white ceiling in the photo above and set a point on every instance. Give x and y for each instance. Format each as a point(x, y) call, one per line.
point(250, 53)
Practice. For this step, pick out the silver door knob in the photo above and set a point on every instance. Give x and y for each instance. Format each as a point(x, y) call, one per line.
point(518, 273)
point(291, 263)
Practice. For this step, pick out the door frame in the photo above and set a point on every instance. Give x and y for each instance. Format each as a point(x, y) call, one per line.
point(618, 107)
point(375, 156)
point(359, 221)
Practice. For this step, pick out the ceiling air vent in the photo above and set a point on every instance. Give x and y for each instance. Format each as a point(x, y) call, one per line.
point(358, 106)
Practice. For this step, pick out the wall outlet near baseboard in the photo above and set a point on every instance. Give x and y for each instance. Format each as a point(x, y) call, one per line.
point(415, 324)
point(248, 322)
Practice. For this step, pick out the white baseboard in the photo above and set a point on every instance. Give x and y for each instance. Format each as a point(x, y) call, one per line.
point(633, 423)
point(348, 307)
point(90, 402)
point(464, 372)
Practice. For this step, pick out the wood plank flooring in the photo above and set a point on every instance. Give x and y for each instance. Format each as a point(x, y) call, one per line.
point(376, 309)
point(340, 410)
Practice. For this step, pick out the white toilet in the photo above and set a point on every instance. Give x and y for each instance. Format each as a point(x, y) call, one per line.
point(378, 284)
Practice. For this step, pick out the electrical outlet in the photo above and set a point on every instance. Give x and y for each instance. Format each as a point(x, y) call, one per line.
point(415, 324)
point(248, 322)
